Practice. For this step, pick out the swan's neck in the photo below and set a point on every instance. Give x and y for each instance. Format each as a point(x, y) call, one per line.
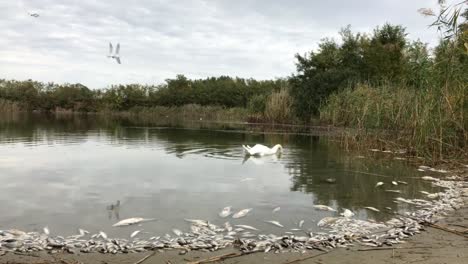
point(277, 148)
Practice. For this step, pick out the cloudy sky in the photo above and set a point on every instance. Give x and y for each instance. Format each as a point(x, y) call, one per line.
point(198, 38)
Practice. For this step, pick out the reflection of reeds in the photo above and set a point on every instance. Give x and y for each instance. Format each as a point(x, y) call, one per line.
point(8, 106)
point(431, 122)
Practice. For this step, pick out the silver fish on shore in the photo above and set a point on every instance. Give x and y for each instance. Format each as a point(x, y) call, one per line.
point(135, 233)
point(132, 221)
point(395, 183)
point(177, 232)
point(225, 212)
point(247, 227)
point(228, 226)
point(429, 178)
point(347, 213)
point(372, 208)
point(46, 230)
point(102, 234)
point(393, 191)
point(83, 232)
point(276, 223)
point(197, 222)
point(402, 182)
point(324, 208)
point(301, 223)
point(327, 221)
point(242, 213)
point(276, 209)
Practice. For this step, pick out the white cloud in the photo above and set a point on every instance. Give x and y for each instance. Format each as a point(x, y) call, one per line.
point(159, 39)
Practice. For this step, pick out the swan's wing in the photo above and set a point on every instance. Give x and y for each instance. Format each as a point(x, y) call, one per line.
point(118, 60)
point(117, 49)
point(258, 148)
point(110, 48)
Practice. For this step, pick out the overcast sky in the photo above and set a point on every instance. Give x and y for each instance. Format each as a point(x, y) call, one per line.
point(198, 38)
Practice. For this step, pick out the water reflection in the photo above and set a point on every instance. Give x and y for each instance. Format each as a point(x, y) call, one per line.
point(113, 210)
point(69, 168)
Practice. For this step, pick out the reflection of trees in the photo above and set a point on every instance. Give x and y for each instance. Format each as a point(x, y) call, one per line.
point(313, 161)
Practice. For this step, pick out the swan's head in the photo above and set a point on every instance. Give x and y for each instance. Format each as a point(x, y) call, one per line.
point(278, 148)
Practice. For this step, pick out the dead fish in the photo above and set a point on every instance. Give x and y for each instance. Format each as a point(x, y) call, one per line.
point(429, 178)
point(177, 232)
point(327, 221)
point(247, 227)
point(83, 232)
point(197, 222)
point(324, 208)
point(295, 229)
point(228, 226)
point(424, 192)
point(394, 183)
point(276, 223)
point(225, 212)
point(379, 184)
point(393, 191)
point(331, 180)
point(103, 235)
point(374, 150)
point(388, 208)
point(276, 209)
point(301, 223)
point(436, 170)
point(402, 182)
point(242, 213)
point(372, 208)
point(432, 195)
point(46, 230)
point(401, 199)
point(347, 213)
point(132, 221)
point(135, 233)
point(422, 167)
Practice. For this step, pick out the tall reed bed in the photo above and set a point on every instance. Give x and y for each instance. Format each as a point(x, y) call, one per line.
point(429, 122)
point(278, 107)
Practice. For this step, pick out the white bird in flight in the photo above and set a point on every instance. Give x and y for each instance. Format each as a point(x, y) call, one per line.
point(116, 55)
point(33, 14)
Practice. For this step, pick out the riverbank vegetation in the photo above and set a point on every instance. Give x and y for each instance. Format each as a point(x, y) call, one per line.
point(396, 91)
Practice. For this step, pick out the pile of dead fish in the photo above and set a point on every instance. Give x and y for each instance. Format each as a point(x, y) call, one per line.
point(339, 231)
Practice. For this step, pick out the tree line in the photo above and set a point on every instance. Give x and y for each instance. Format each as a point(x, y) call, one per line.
point(214, 91)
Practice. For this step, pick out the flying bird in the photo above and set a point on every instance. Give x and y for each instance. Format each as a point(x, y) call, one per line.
point(116, 55)
point(33, 14)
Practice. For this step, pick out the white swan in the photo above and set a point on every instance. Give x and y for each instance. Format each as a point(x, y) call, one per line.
point(261, 150)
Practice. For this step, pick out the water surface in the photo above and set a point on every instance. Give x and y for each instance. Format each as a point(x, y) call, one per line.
point(66, 172)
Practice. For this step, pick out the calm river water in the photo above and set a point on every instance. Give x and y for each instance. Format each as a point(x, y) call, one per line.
point(67, 172)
